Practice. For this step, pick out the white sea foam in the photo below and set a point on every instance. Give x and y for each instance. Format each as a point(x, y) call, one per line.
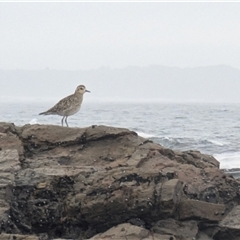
point(216, 142)
point(145, 135)
point(33, 121)
point(228, 160)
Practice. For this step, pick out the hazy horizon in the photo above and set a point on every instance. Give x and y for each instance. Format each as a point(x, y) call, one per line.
point(155, 83)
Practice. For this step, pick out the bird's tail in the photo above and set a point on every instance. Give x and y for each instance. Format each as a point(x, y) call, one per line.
point(45, 113)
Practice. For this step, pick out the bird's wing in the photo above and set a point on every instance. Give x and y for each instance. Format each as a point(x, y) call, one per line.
point(64, 103)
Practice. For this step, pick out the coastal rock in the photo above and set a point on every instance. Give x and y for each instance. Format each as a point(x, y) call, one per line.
point(101, 181)
point(181, 230)
point(201, 210)
point(128, 231)
point(9, 138)
point(230, 225)
point(5, 236)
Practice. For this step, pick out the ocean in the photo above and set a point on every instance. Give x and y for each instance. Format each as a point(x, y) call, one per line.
point(213, 129)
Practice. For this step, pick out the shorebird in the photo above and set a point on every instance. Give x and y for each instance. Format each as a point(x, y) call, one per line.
point(68, 105)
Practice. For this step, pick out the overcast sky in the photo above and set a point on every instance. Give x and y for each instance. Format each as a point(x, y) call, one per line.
point(84, 36)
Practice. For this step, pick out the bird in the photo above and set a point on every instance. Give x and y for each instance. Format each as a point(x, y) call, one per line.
point(69, 105)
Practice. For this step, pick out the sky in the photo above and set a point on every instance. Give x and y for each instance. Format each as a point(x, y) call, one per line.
point(92, 35)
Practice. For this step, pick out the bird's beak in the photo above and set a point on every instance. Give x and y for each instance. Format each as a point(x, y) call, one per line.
point(87, 91)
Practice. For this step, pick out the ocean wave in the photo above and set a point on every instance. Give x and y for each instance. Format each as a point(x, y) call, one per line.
point(214, 142)
point(218, 143)
point(145, 135)
point(178, 143)
point(228, 160)
point(192, 141)
point(33, 121)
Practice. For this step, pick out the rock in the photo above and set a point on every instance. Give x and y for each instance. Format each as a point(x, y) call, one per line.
point(4, 236)
point(232, 221)
point(83, 183)
point(203, 236)
point(128, 231)
point(122, 231)
point(201, 210)
point(9, 138)
point(170, 195)
point(230, 225)
point(181, 230)
point(9, 165)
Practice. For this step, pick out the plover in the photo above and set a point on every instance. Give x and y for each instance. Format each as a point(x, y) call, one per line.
point(68, 105)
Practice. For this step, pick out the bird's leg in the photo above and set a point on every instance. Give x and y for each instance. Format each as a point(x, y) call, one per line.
point(66, 121)
point(62, 120)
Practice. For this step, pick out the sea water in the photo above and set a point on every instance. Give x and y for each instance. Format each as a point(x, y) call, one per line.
point(210, 128)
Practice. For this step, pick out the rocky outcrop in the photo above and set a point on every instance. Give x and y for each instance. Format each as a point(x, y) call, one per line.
point(103, 182)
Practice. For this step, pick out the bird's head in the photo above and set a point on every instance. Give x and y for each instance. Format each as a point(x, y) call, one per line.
point(81, 89)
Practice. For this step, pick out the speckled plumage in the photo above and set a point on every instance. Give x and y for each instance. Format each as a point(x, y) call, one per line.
point(68, 105)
